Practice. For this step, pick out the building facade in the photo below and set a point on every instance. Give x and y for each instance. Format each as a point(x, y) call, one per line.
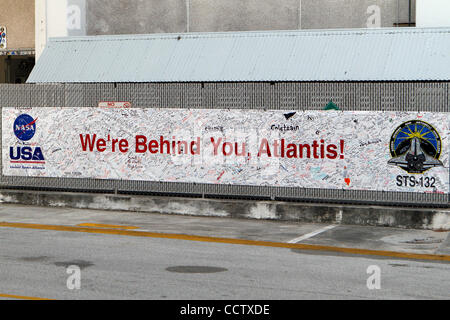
point(17, 49)
point(433, 13)
point(154, 16)
point(28, 24)
point(58, 18)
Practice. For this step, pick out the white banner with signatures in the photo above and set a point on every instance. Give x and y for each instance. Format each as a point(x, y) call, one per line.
point(358, 150)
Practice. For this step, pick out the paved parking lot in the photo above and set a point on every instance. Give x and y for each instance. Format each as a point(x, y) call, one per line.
point(126, 255)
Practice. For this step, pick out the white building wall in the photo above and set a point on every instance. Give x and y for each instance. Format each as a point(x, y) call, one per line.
point(433, 13)
point(58, 18)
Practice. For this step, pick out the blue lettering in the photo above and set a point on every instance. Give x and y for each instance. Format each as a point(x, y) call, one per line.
point(37, 155)
point(26, 154)
point(11, 153)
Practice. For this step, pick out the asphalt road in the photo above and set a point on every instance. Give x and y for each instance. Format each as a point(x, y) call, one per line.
point(33, 263)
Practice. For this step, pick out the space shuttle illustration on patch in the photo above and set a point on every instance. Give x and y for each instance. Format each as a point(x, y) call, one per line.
point(415, 147)
point(415, 160)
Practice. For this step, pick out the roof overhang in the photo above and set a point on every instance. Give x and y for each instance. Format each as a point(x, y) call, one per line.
point(394, 54)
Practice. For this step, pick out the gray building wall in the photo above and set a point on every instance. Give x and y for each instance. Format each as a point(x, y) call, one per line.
point(247, 15)
point(161, 16)
point(135, 16)
point(319, 14)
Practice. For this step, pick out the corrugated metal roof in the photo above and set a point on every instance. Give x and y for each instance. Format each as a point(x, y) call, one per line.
point(332, 55)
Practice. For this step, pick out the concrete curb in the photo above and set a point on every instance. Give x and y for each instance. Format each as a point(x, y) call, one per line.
point(435, 219)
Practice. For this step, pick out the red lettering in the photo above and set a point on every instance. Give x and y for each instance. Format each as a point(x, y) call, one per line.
point(114, 141)
point(163, 143)
point(153, 146)
point(230, 149)
point(291, 151)
point(101, 145)
point(88, 141)
point(123, 145)
point(264, 148)
point(308, 150)
point(332, 151)
point(182, 147)
point(141, 144)
point(322, 149)
point(315, 145)
point(275, 148)
point(195, 146)
point(243, 150)
point(215, 145)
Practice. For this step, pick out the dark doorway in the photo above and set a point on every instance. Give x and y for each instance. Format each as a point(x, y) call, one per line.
point(15, 69)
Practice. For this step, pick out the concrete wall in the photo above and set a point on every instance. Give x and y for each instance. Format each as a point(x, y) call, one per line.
point(154, 16)
point(55, 18)
point(18, 17)
point(319, 14)
point(244, 15)
point(100, 17)
point(135, 16)
point(397, 217)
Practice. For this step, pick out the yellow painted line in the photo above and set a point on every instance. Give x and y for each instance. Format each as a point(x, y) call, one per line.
point(107, 226)
point(392, 254)
point(11, 296)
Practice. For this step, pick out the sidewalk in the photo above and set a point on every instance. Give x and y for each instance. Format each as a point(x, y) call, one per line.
point(334, 235)
point(361, 215)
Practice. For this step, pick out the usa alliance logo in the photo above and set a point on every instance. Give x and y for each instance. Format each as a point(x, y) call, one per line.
point(24, 129)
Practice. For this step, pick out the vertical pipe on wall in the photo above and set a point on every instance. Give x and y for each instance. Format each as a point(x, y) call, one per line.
point(409, 13)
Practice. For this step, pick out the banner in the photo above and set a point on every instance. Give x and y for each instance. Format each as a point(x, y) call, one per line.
point(358, 150)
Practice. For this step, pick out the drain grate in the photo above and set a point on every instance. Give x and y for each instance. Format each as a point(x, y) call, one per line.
point(195, 269)
point(428, 240)
point(79, 263)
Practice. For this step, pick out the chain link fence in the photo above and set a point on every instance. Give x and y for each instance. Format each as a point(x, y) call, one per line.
point(376, 96)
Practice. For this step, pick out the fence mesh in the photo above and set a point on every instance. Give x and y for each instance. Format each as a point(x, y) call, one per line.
point(373, 96)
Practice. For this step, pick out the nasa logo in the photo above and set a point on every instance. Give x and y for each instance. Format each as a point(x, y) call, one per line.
point(25, 127)
point(415, 147)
